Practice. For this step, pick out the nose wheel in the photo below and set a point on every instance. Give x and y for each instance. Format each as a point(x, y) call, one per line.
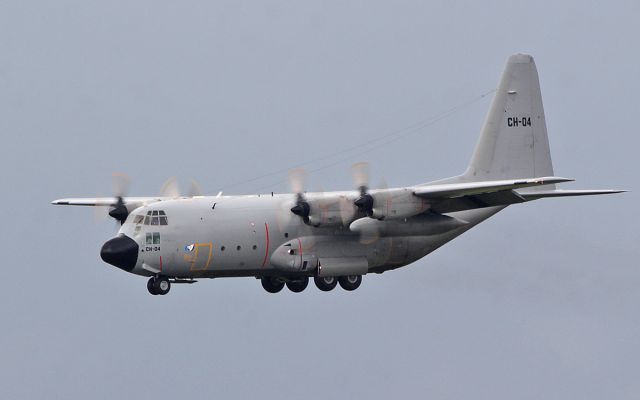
point(158, 285)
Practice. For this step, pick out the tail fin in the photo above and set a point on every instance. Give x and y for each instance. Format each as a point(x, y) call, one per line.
point(513, 142)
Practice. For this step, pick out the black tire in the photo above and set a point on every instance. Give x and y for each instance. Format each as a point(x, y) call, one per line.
point(350, 282)
point(298, 285)
point(161, 285)
point(150, 287)
point(326, 284)
point(272, 284)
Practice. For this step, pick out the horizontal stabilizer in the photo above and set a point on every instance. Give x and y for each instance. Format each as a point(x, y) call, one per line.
point(565, 193)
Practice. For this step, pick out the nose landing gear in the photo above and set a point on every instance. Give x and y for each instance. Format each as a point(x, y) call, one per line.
point(158, 285)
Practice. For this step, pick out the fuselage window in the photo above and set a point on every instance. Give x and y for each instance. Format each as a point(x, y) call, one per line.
point(152, 238)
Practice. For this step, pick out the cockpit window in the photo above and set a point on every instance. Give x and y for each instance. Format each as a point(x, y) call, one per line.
point(138, 219)
point(156, 217)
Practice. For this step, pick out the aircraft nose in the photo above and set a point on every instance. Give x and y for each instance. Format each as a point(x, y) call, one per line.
point(121, 251)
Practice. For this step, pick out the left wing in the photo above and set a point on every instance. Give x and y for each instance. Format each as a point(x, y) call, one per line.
point(107, 201)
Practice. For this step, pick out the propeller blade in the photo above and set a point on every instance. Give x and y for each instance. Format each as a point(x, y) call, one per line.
point(120, 183)
point(100, 213)
point(383, 198)
point(347, 210)
point(360, 172)
point(170, 188)
point(284, 215)
point(297, 180)
point(195, 190)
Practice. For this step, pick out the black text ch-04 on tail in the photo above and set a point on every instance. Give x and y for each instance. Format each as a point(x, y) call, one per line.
point(336, 238)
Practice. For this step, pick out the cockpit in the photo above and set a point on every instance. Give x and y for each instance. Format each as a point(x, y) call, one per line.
point(153, 217)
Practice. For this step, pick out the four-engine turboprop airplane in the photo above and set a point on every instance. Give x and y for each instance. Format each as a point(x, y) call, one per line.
point(338, 237)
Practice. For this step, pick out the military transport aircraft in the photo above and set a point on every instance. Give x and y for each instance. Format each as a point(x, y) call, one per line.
point(336, 238)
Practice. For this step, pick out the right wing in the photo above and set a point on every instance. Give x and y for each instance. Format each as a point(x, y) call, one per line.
point(451, 197)
point(453, 190)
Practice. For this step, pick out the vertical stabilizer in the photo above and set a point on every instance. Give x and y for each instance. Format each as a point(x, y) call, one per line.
point(513, 142)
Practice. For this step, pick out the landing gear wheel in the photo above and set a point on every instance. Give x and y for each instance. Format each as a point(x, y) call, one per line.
point(150, 286)
point(326, 283)
point(350, 282)
point(160, 285)
point(272, 284)
point(298, 285)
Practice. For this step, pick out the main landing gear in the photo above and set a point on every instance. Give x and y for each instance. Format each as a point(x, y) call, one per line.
point(350, 282)
point(158, 285)
point(326, 283)
point(274, 284)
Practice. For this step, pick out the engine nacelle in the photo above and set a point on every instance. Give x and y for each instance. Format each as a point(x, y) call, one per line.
point(421, 225)
point(329, 211)
point(397, 204)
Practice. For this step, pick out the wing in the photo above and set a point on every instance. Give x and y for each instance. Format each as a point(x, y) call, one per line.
point(449, 190)
point(106, 201)
point(451, 197)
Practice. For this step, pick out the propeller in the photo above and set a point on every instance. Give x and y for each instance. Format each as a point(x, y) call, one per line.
point(301, 208)
point(120, 183)
point(364, 202)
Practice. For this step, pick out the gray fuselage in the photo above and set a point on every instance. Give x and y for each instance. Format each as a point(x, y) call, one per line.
point(238, 236)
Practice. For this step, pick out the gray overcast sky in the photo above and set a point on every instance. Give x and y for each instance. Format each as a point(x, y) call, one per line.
point(539, 302)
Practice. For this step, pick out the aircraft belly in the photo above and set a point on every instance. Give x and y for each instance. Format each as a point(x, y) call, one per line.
point(241, 238)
